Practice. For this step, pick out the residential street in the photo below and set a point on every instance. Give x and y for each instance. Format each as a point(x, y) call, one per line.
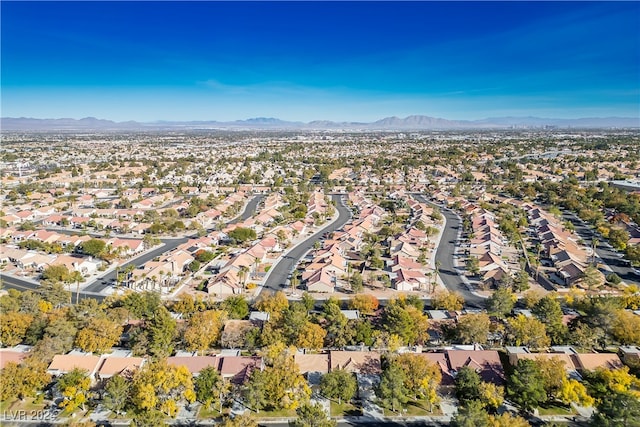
point(96, 289)
point(606, 253)
point(445, 255)
point(279, 272)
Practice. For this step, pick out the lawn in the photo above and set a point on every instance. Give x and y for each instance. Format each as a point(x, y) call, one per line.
point(208, 413)
point(345, 409)
point(279, 413)
point(18, 405)
point(554, 409)
point(414, 408)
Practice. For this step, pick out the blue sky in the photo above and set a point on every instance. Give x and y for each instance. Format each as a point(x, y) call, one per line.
point(358, 61)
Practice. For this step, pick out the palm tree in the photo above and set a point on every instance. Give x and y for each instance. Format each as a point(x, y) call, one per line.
point(539, 248)
point(76, 276)
point(256, 264)
point(242, 274)
point(294, 281)
point(594, 245)
point(436, 272)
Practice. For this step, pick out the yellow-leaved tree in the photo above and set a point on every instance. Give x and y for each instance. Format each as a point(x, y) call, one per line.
point(528, 331)
point(99, 335)
point(553, 374)
point(572, 391)
point(422, 377)
point(626, 327)
point(274, 304)
point(311, 336)
point(284, 386)
point(74, 387)
point(205, 329)
point(13, 327)
point(491, 395)
point(159, 386)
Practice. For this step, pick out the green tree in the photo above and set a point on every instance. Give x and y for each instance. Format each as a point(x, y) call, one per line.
point(194, 266)
point(619, 237)
point(467, 384)
point(617, 410)
point(312, 416)
point(473, 328)
point(591, 278)
point(472, 414)
point(339, 384)
point(308, 301)
point(501, 302)
point(363, 332)
point(161, 332)
point(116, 393)
point(237, 307)
point(142, 305)
point(473, 265)
point(254, 391)
point(392, 390)
point(56, 274)
point(356, 282)
point(336, 326)
point(94, 247)
point(549, 312)
point(294, 321)
point(242, 234)
point(526, 385)
point(210, 387)
point(397, 321)
point(205, 256)
point(521, 282)
point(149, 418)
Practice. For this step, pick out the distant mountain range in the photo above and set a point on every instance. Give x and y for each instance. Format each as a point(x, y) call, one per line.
point(411, 123)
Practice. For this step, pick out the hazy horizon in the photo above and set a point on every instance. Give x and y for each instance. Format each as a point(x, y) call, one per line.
point(305, 61)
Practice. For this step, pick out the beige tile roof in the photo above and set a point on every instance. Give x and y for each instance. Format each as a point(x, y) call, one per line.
point(591, 361)
point(67, 362)
point(7, 356)
point(355, 361)
point(312, 362)
point(115, 365)
point(194, 364)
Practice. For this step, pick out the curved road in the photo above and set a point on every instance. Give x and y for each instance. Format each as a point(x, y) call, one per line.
point(94, 289)
point(612, 258)
point(445, 254)
point(279, 272)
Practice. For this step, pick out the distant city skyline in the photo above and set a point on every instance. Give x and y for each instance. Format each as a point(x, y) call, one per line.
point(304, 61)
